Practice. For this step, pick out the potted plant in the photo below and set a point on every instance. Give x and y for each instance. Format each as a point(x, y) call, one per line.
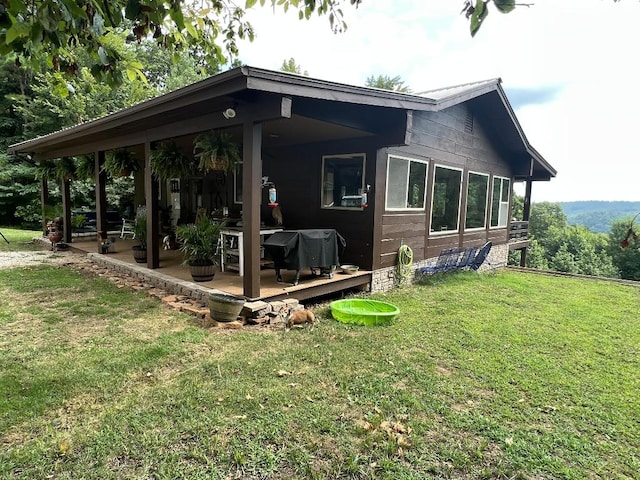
point(85, 167)
point(168, 160)
point(120, 163)
point(216, 151)
point(140, 234)
point(199, 245)
point(64, 169)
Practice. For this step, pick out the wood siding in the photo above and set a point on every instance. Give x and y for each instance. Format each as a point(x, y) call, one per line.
point(297, 172)
point(442, 139)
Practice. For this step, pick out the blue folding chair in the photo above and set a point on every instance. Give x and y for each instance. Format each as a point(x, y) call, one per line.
point(467, 257)
point(447, 260)
point(480, 257)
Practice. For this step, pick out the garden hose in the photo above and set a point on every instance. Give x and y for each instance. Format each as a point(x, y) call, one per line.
point(405, 260)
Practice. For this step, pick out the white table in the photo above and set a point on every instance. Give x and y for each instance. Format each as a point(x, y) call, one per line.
point(233, 246)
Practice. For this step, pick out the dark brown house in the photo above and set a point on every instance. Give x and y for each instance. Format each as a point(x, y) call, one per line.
point(383, 168)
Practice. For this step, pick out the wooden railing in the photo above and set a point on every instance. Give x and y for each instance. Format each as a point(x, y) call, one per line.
point(519, 231)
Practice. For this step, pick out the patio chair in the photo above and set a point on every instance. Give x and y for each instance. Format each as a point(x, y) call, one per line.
point(127, 229)
point(447, 260)
point(480, 257)
point(467, 257)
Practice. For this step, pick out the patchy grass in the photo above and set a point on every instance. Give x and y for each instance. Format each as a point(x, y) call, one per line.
point(510, 375)
point(18, 239)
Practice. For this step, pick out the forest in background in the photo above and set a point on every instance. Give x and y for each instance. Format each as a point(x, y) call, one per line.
point(598, 215)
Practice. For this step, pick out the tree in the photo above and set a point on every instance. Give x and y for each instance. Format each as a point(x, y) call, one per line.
point(31, 107)
point(386, 82)
point(555, 245)
point(44, 33)
point(544, 216)
point(625, 253)
point(292, 67)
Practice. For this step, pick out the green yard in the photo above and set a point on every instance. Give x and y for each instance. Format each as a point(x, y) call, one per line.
point(511, 375)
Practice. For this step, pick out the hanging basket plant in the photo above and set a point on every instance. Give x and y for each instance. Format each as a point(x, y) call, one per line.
point(168, 160)
point(216, 151)
point(121, 163)
point(62, 169)
point(45, 170)
point(85, 167)
point(66, 169)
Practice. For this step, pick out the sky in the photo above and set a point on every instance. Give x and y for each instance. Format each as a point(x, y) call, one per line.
point(569, 68)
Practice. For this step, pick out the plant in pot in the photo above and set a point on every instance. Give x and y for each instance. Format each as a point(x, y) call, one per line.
point(168, 160)
point(120, 163)
point(85, 167)
point(199, 245)
point(216, 151)
point(64, 169)
point(140, 234)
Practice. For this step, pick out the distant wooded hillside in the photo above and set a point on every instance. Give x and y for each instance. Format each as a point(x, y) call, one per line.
point(597, 215)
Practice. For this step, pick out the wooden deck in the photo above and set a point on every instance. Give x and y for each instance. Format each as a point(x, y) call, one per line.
point(310, 286)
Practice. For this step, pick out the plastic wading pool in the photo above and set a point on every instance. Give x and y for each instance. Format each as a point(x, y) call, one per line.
point(360, 311)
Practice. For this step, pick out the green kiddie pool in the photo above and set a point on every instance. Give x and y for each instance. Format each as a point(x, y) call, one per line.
point(360, 311)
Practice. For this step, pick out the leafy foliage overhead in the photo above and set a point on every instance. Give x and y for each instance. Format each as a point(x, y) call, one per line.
point(477, 11)
point(43, 33)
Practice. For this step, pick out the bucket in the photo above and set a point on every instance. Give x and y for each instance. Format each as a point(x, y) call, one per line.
point(225, 308)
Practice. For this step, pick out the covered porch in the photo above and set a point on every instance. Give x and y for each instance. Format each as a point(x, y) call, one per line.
point(178, 279)
point(283, 125)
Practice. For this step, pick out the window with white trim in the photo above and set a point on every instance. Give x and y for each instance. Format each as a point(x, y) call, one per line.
point(445, 202)
point(477, 193)
point(500, 202)
point(406, 183)
point(343, 181)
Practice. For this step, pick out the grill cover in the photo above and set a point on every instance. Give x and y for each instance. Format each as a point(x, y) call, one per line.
point(298, 249)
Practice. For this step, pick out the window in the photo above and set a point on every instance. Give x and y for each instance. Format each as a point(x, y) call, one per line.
point(445, 205)
point(343, 181)
point(406, 183)
point(500, 201)
point(477, 191)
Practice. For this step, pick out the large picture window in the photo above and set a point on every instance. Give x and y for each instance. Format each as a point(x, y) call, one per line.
point(445, 205)
point(343, 181)
point(500, 201)
point(406, 183)
point(477, 192)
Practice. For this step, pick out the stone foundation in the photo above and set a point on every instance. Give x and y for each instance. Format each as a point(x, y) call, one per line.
point(385, 279)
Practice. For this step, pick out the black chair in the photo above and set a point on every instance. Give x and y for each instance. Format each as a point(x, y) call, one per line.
point(481, 256)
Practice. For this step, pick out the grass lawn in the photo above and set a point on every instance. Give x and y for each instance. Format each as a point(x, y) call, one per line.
point(511, 375)
point(18, 239)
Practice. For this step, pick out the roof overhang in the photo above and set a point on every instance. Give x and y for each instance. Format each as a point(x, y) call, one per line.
point(258, 94)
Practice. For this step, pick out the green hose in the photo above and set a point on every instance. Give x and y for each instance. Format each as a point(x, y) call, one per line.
point(405, 260)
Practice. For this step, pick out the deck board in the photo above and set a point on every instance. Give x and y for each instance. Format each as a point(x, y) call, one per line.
point(310, 285)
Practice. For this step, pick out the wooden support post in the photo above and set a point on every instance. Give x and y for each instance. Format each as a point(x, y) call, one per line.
point(251, 193)
point(526, 211)
point(101, 195)
point(44, 200)
point(65, 186)
point(153, 211)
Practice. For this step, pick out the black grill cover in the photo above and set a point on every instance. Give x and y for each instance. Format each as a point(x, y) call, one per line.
point(298, 249)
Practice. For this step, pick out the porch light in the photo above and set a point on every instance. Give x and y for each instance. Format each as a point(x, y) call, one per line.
point(229, 113)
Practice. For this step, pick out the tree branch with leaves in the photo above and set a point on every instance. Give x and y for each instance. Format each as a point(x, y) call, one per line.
point(43, 33)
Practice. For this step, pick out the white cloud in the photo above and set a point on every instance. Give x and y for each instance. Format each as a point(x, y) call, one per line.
point(585, 47)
